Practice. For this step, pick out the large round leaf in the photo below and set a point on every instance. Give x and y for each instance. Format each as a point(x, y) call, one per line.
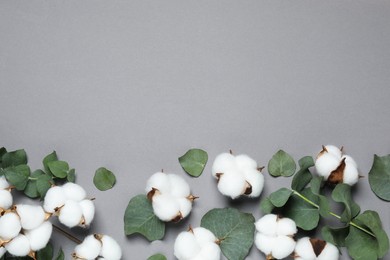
point(104, 179)
point(379, 177)
point(281, 164)
point(194, 161)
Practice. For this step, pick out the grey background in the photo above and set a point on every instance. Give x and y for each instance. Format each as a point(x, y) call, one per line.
point(131, 85)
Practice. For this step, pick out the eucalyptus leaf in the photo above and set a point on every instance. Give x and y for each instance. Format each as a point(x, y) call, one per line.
point(45, 253)
point(336, 236)
point(323, 202)
point(157, 257)
point(303, 176)
point(2, 152)
point(14, 158)
point(31, 188)
point(18, 175)
point(234, 229)
point(194, 161)
point(104, 179)
point(305, 215)
point(43, 183)
point(342, 193)
point(139, 218)
point(58, 168)
point(60, 255)
point(281, 164)
point(379, 177)
point(266, 206)
point(280, 197)
point(49, 158)
point(71, 175)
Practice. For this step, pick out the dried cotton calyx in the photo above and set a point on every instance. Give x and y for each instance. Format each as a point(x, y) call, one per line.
point(98, 246)
point(197, 244)
point(274, 236)
point(170, 195)
point(315, 249)
point(6, 199)
point(69, 202)
point(336, 167)
point(237, 175)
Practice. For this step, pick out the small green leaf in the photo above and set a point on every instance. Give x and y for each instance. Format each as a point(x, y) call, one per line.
point(281, 164)
point(139, 218)
point(157, 257)
point(2, 152)
point(104, 179)
point(266, 206)
point(194, 161)
point(31, 187)
point(280, 197)
point(342, 193)
point(303, 176)
point(45, 253)
point(18, 176)
point(14, 158)
point(323, 202)
point(43, 184)
point(60, 255)
point(336, 236)
point(305, 215)
point(234, 229)
point(71, 175)
point(49, 158)
point(379, 177)
point(58, 168)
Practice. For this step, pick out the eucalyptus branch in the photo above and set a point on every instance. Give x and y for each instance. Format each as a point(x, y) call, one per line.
point(332, 213)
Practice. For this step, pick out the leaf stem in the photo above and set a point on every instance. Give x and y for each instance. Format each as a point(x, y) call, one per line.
point(332, 213)
point(67, 234)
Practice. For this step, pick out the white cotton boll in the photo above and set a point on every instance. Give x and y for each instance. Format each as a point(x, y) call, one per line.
point(330, 252)
point(31, 216)
point(19, 246)
point(244, 162)
point(88, 211)
point(232, 184)
point(256, 180)
point(179, 187)
point(350, 174)
point(9, 226)
point(265, 243)
point(223, 163)
point(283, 247)
point(39, 237)
point(110, 248)
point(165, 207)
point(185, 206)
point(89, 248)
point(186, 246)
point(325, 164)
point(159, 181)
point(203, 236)
point(349, 160)
point(70, 214)
point(286, 227)
point(74, 191)
point(334, 150)
point(267, 224)
point(2, 251)
point(210, 251)
point(6, 199)
point(3, 183)
point(54, 198)
point(304, 249)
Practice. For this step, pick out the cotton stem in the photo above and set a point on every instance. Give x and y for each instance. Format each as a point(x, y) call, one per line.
point(67, 234)
point(332, 213)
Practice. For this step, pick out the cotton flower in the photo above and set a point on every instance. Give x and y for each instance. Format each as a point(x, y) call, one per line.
point(6, 199)
point(98, 246)
point(197, 244)
point(31, 216)
point(274, 236)
point(237, 175)
point(10, 226)
point(39, 236)
point(336, 167)
point(19, 246)
point(315, 249)
point(170, 195)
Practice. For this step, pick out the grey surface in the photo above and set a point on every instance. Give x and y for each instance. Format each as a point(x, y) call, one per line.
point(131, 85)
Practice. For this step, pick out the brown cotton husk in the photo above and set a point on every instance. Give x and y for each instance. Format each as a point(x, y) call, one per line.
point(151, 193)
point(337, 175)
point(178, 217)
point(318, 245)
point(248, 189)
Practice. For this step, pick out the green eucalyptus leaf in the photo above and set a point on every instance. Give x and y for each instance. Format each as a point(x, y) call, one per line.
point(104, 179)
point(14, 158)
point(194, 161)
point(45, 253)
point(139, 218)
point(2, 152)
point(266, 206)
point(43, 183)
point(361, 245)
point(60, 255)
point(280, 197)
point(58, 168)
point(234, 229)
point(323, 202)
point(303, 176)
point(157, 257)
point(379, 177)
point(281, 164)
point(71, 175)
point(18, 176)
point(305, 215)
point(49, 158)
point(342, 193)
point(336, 236)
point(31, 190)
